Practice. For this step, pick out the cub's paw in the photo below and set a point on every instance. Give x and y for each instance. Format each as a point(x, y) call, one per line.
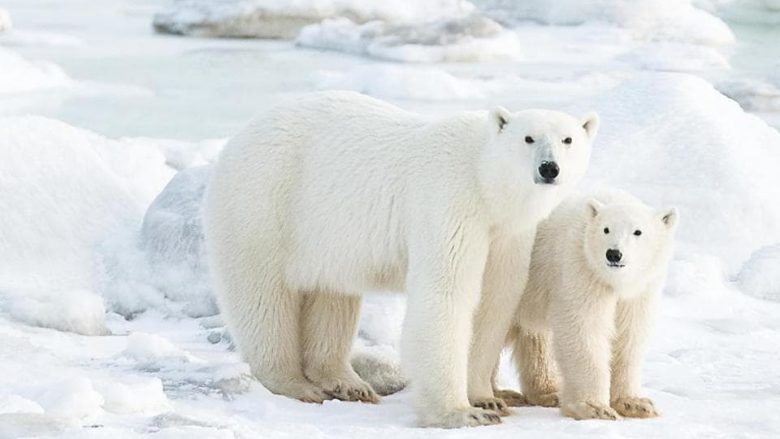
point(511, 398)
point(543, 399)
point(493, 404)
point(302, 391)
point(589, 410)
point(635, 407)
point(467, 417)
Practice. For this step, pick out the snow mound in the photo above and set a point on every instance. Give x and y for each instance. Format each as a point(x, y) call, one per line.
point(5, 20)
point(281, 19)
point(472, 38)
point(145, 396)
point(18, 75)
point(400, 81)
point(676, 57)
point(760, 276)
point(672, 139)
point(76, 311)
point(659, 20)
point(72, 398)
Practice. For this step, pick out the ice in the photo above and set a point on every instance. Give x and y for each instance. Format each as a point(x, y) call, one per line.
point(18, 75)
point(676, 57)
point(760, 276)
point(765, 12)
point(465, 39)
point(667, 20)
point(151, 348)
point(400, 81)
point(72, 398)
point(752, 94)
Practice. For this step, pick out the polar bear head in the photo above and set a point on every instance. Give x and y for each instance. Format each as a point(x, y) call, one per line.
point(627, 243)
point(534, 158)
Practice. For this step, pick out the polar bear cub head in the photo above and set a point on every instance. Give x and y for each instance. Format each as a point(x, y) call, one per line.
point(533, 159)
point(627, 242)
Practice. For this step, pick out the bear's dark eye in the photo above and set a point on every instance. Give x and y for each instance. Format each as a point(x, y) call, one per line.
point(606, 230)
point(529, 139)
point(637, 232)
point(567, 140)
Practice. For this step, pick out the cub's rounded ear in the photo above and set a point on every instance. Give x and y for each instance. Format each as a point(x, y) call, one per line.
point(669, 217)
point(590, 123)
point(594, 207)
point(500, 117)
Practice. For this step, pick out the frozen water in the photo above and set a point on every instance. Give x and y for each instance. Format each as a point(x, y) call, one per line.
point(20, 75)
point(760, 276)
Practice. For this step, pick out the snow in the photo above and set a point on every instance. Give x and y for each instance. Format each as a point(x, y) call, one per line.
point(5, 20)
point(108, 325)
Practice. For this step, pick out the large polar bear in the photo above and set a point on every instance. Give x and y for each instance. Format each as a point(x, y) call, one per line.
point(336, 193)
point(597, 269)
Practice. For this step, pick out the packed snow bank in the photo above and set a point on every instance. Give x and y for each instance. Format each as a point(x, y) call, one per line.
point(5, 20)
point(81, 312)
point(63, 191)
point(674, 20)
point(672, 139)
point(472, 38)
point(19, 75)
point(280, 19)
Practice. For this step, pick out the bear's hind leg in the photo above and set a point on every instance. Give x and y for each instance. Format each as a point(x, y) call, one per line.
point(264, 319)
point(328, 328)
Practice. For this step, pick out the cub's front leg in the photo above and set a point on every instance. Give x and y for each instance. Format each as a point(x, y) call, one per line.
point(582, 324)
point(633, 321)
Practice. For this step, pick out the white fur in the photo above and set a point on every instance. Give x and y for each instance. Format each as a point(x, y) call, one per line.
point(597, 316)
point(336, 193)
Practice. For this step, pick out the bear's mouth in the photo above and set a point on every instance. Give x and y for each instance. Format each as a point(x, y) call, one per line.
point(615, 265)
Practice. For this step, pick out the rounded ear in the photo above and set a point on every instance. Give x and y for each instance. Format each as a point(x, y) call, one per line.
point(500, 117)
point(669, 217)
point(594, 207)
point(590, 123)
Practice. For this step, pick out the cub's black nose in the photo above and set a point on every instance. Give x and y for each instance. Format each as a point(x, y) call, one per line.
point(614, 255)
point(549, 170)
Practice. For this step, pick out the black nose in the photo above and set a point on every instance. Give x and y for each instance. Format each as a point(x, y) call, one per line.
point(614, 255)
point(549, 170)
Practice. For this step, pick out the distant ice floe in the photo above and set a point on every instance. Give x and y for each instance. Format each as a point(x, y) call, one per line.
point(283, 19)
point(744, 11)
point(653, 20)
point(472, 38)
point(19, 75)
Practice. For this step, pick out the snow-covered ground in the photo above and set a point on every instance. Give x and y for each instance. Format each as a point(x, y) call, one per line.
point(108, 327)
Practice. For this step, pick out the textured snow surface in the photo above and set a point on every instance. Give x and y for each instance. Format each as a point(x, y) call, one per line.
point(108, 327)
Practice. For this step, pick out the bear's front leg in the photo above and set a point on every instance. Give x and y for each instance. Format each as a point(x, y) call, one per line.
point(443, 284)
point(582, 326)
point(633, 320)
point(506, 273)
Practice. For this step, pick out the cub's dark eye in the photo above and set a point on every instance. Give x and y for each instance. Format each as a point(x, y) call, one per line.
point(567, 140)
point(529, 139)
point(637, 233)
point(606, 230)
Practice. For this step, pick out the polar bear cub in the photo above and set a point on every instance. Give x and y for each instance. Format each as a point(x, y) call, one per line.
point(597, 269)
point(334, 194)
